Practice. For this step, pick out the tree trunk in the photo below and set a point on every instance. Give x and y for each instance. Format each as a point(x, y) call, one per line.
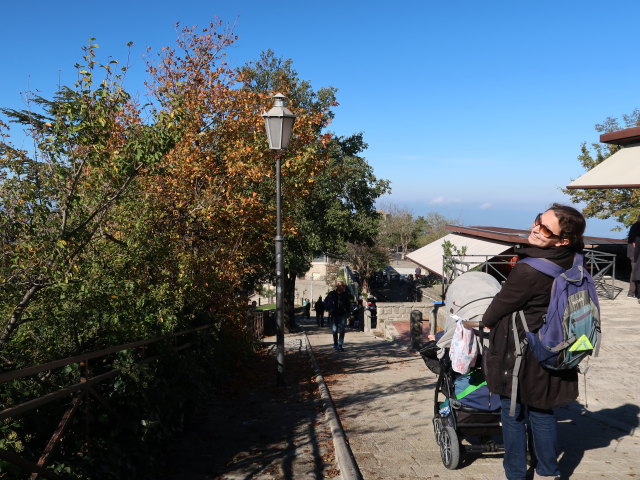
point(289, 298)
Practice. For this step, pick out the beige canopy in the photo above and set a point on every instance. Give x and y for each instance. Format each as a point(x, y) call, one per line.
point(430, 256)
point(620, 170)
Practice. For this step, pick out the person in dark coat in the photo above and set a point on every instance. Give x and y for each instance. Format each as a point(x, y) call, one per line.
point(556, 235)
point(338, 303)
point(319, 308)
point(633, 252)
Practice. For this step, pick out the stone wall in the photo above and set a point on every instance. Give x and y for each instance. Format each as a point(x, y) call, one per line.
point(399, 312)
point(389, 312)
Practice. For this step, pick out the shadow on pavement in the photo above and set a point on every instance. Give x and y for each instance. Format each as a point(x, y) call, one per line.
point(578, 433)
point(255, 429)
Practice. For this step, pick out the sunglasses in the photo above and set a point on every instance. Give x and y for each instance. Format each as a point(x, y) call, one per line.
point(543, 229)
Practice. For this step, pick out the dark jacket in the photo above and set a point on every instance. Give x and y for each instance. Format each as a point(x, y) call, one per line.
point(528, 290)
point(634, 237)
point(338, 303)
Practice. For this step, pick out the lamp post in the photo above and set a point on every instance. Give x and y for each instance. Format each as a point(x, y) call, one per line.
point(279, 124)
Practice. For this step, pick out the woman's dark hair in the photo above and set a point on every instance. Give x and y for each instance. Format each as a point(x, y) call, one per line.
point(572, 225)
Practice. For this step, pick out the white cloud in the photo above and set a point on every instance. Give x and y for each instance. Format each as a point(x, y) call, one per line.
point(486, 206)
point(441, 200)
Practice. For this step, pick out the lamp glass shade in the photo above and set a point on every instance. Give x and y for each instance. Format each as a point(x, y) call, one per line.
point(279, 124)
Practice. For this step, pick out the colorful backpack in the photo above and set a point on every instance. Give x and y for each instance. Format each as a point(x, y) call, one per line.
point(571, 330)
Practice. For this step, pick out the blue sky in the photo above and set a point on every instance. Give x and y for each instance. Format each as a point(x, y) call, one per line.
point(475, 110)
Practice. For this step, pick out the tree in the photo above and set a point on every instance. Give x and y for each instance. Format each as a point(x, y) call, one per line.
point(431, 228)
point(58, 200)
point(126, 222)
point(211, 187)
point(366, 260)
point(329, 191)
point(450, 252)
point(622, 204)
point(398, 229)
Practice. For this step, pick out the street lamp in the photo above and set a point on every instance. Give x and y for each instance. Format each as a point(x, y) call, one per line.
point(279, 123)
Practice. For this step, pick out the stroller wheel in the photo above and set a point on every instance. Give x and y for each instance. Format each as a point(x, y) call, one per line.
point(449, 448)
point(437, 428)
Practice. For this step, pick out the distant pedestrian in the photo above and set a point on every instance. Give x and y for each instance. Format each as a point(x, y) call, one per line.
point(358, 316)
point(319, 308)
point(338, 303)
point(251, 309)
point(328, 310)
point(307, 309)
point(633, 243)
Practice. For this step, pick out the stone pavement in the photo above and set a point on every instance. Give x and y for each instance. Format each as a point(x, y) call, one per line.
point(384, 397)
point(383, 394)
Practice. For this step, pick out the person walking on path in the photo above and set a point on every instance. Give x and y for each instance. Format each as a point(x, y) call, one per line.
point(327, 310)
point(633, 241)
point(338, 303)
point(319, 308)
point(556, 235)
point(307, 308)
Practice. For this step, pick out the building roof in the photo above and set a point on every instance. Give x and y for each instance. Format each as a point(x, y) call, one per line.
point(622, 137)
point(430, 256)
point(620, 170)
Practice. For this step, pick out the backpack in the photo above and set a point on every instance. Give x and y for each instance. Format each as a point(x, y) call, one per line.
point(571, 329)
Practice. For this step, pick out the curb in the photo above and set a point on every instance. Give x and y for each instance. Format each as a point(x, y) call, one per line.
point(344, 456)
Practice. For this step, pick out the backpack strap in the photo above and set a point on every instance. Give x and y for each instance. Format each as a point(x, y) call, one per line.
point(544, 266)
point(521, 348)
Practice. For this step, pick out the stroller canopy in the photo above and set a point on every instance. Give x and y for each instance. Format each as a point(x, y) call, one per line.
point(470, 294)
point(468, 297)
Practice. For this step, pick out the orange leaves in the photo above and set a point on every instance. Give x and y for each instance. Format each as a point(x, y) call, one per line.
point(218, 180)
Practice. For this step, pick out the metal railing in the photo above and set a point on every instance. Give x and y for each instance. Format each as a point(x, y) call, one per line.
point(255, 325)
point(79, 391)
point(601, 266)
point(455, 265)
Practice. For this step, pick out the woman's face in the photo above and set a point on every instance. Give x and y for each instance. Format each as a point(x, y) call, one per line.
point(545, 231)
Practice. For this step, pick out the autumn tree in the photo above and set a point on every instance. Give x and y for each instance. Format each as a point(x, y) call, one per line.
point(621, 204)
point(329, 191)
point(208, 189)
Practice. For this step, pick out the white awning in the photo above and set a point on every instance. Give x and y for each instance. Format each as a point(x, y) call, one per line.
point(430, 256)
point(620, 170)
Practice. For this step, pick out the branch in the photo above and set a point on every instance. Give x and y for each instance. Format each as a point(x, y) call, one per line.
point(104, 206)
point(16, 318)
point(73, 187)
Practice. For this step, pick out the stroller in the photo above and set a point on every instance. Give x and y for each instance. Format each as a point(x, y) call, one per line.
point(466, 415)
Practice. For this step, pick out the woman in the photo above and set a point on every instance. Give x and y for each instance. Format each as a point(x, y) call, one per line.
point(556, 235)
